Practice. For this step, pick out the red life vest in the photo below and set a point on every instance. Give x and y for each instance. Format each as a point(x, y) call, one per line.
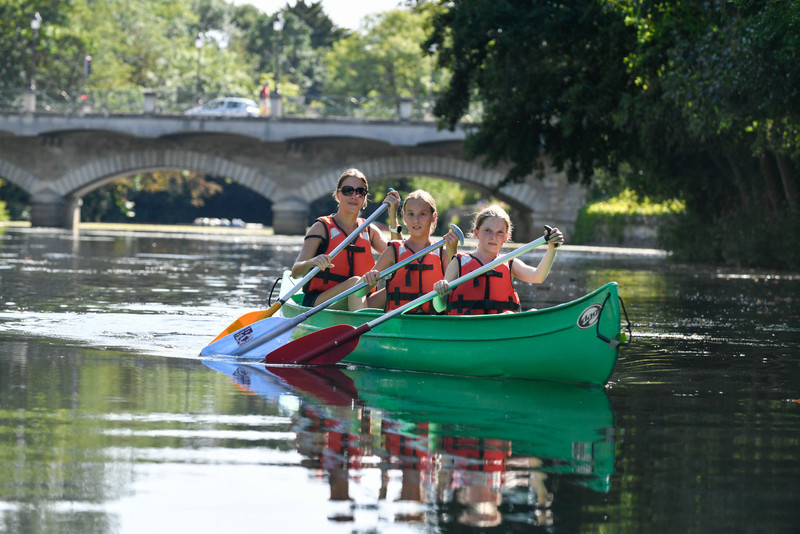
point(358, 253)
point(414, 279)
point(491, 452)
point(487, 293)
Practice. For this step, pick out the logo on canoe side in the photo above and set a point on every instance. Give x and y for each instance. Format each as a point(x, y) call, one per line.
point(243, 336)
point(589, 316)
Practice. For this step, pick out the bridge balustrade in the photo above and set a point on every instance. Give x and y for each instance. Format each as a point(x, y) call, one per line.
point(177, 102)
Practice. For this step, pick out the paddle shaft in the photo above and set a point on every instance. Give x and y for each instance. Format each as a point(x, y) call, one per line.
point(294, 321)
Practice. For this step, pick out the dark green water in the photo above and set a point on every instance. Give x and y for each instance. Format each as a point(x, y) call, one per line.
point(109, 422)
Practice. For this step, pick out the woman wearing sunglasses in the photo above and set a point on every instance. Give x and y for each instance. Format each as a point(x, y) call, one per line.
point(344, 271)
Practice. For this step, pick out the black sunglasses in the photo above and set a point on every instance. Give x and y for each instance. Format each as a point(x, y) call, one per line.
point(349, 190)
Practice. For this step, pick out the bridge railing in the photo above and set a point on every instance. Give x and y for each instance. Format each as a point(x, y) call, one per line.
point(172, 102)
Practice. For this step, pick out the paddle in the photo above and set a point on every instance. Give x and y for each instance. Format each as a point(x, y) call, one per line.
point(330, 345)
point(251, 317)
point(245, 340)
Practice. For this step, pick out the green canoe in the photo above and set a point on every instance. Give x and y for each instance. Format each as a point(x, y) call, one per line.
point(577, 341)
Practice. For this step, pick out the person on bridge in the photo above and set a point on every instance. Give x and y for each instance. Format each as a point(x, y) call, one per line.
point(493, 291)
point(418, 277)
point(328, 232)
point(264, 100)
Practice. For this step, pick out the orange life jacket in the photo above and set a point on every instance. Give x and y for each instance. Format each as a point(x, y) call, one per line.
point(358, 254)
point(414, 279)
point(487, 293)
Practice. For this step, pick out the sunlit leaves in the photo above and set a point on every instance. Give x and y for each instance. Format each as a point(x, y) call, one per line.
point(383, 59)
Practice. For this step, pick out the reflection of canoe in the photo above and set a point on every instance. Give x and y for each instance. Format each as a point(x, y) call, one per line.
point(569, 427)
point(569, 424)
point(562, 343)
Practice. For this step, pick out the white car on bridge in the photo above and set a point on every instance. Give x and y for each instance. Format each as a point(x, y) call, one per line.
point(227, 107)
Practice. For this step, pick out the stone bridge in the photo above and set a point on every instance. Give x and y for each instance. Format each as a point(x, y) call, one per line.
point(58, 159)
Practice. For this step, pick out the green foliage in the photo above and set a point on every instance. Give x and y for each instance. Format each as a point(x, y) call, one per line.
point(736, 238)
point(15, 201)
point(447, 194)
point(384, 59)
point(3, 210)
point(547, 75)
point(625, 209)
point(694, 100)
point(323, 32)
point(628, 202)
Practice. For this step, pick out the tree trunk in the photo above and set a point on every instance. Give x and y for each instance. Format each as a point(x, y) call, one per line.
point(769, 173)
point(789, 178)
point(730, 170)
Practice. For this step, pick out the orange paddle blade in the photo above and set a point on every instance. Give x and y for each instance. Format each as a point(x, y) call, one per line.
point(247, 319)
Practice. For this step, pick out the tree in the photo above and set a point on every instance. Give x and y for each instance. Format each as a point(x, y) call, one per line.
point(384, 59)
point(545, 75)
point(300, 64)
point(57, 52)
point(697, 98)
point(323, 31)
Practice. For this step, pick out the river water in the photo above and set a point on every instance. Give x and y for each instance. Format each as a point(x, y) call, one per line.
point(110, 422)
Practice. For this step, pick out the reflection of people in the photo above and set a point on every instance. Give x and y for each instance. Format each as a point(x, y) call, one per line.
point(473, 477)
point(526, 472)
point(409, 454)
point(418, 277)
point(493, 291)
point(477, 477)
point(343, 272)
point(264, 99)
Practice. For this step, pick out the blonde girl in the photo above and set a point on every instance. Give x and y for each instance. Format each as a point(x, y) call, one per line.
point(418, 277)
point(493, 291)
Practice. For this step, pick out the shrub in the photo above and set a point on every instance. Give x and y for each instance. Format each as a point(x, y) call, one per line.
point(616, 213)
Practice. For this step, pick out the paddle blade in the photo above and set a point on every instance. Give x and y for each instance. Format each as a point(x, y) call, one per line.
point(323, 347)
point(241, 322)
point(439, 304)
point(327, 384)
point(248, 319)
point(267, 330)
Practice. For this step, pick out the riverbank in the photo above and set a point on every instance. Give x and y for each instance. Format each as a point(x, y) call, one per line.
point(268, 233)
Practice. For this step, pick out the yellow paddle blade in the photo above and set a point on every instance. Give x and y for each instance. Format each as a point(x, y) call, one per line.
point(248, 319)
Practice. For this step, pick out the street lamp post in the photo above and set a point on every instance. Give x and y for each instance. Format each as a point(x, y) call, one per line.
point(36, 23)
point(198, 43)
point(275, 99)
point(30, 94)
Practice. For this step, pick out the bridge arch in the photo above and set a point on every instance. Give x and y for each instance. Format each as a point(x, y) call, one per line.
point(58, 202)
point(89, 177)
point(17, 176)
